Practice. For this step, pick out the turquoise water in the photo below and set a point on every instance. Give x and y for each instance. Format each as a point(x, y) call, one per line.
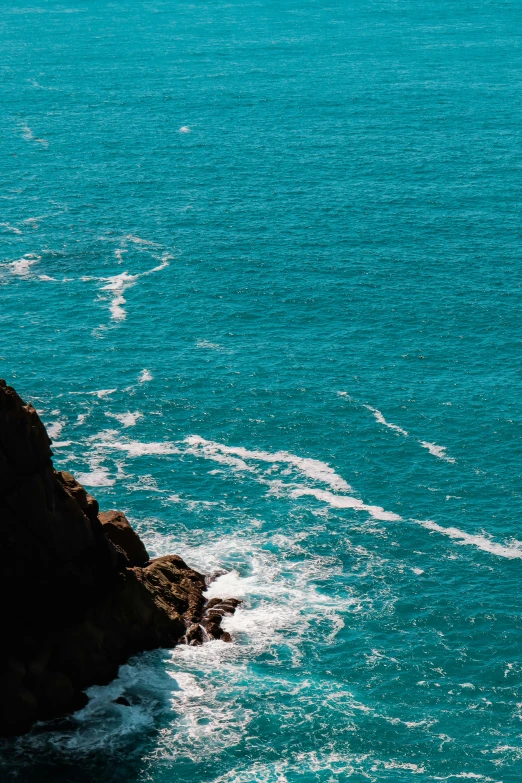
point(261, 276)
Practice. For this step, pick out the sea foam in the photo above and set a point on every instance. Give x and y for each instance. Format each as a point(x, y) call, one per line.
point(144, 376)
point(55, 429)
point(479, 541)
point(28, 135)
point(126, 419)
point(118, 284)
point(345, 501)
point(437, 451)
point(98, 477)
point(22, 267)
point(312, 468)
point(380, 418)
point(110, 440)
point(9, 227)
point(433, 448)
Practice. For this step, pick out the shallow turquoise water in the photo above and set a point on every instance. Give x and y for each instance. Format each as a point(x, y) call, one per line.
point(237, 236)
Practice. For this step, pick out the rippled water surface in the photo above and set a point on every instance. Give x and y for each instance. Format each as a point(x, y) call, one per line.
point(261, 276)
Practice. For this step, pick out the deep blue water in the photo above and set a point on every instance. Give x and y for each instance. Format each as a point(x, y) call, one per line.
point(237, 236)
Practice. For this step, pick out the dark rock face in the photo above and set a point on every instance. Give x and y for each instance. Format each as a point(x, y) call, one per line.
point(79, 592)
point(118, 530)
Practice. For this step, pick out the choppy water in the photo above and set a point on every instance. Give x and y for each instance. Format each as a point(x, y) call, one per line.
point(261, 275)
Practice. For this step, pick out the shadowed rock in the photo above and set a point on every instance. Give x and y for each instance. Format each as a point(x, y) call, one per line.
point(118, 530)
point(79, 593)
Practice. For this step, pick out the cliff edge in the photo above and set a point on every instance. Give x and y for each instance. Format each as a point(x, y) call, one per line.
point(79, 592)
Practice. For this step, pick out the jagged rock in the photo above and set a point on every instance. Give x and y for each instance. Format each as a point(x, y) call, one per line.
point(87, 503)
point(195, 635)
point(214, 611)
point(118, 530)
point(79, 594)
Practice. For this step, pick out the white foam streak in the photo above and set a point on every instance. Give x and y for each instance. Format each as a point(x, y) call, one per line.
point(437, 451)
point(118, 284)
point(22, 267)
point(100, 394)
point(104, 393)
point(312, 468)
point(345, 501)
point(164, 264)
point(28, 135)
point(55, 429)
point(126, 419)
point(139, 241)
point(117, 311)
point(209, 345)
point(380, 418)
point(33, 221)
point(134, 448)
point(479, 541)
point(213, 451)
point(239, 458)
point(11, 228)
point(99, 477)
point(145, 376)
point(433, 448)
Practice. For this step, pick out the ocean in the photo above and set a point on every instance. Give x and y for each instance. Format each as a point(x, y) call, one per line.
point(261, 277)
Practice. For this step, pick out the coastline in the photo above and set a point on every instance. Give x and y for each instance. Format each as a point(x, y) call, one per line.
point(83, 593)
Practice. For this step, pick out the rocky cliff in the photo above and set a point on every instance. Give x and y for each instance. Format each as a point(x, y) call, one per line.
point(79, 592)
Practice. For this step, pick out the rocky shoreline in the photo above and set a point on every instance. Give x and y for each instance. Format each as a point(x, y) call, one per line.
point(79, 591)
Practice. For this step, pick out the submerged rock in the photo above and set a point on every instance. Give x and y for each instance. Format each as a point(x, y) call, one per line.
point(123, 701)
point(79, 592)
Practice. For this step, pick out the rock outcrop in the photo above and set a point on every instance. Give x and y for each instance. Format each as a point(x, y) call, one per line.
point(79, 593)
point(118, 530)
